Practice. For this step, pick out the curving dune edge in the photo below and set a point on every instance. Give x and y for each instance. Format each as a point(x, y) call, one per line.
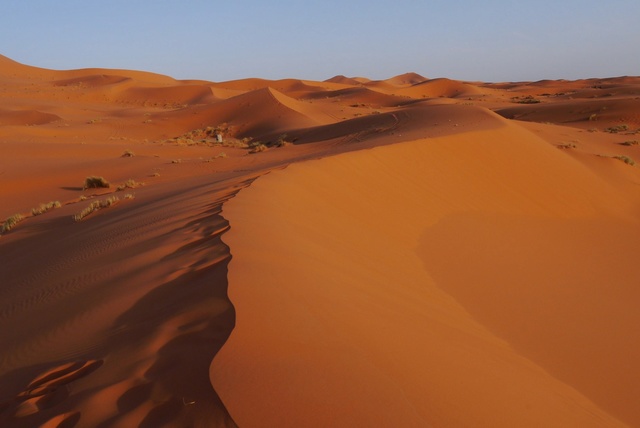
point(365, 295)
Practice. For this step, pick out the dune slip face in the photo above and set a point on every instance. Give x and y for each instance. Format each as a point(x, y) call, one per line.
point(352, 252)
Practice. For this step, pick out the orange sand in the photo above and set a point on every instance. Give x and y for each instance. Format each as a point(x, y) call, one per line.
point(427, 252)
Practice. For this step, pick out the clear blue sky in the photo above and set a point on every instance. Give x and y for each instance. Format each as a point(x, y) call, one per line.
point(489, 40)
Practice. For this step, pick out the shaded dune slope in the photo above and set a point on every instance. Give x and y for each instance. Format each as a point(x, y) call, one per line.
point(26, 117)
point(441, 88)
point(253, 114)
point(119, 324)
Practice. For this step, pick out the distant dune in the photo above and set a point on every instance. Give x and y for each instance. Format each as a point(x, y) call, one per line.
point(354, 252)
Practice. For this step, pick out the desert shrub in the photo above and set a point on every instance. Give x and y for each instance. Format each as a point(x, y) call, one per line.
point(617, 128)
point(95, 182)
point(257, 148)
point(43, 208)
point(11, 222)
point(630, 143)
point(593, 117)
point(567, 146)
point(526, 100)
point(129, 184)
point(625, 159)
point(182, 141)
point(129, 196)
point(176, 161)
point(128, 154)
point(95, 206)
point(221, 155)
point(282, 141)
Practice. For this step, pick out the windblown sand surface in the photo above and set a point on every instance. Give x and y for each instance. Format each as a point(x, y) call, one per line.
point(408, 252)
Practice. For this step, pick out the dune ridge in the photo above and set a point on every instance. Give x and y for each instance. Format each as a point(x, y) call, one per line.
point(316, 300)
point(407, 251)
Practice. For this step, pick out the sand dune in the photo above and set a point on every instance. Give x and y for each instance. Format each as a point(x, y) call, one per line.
point(433, 195)
point(360, 97)
point(440, 88)
point(185, 94)
point(26, 117)
point(344, 80)
point(406, 79)
point(400, 252)
point(253, 114)
point(92, 81)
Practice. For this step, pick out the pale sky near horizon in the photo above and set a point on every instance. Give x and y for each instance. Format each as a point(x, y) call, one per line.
point(483, 40)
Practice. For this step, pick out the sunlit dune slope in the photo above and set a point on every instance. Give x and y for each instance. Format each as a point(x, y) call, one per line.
point(423, 278)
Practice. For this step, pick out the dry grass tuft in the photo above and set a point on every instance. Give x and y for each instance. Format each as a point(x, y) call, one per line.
point(43, 208)
point(566, 146)
point(11, 222)
point(258, 147)
point(128, 154)
point(617, 128)
point(129, 184)
point(95, 206)
point(625, 159)
point(527, 99)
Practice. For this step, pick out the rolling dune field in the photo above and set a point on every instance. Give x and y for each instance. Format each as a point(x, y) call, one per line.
point(348, 253)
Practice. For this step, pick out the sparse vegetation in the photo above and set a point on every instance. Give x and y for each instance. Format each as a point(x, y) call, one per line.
point(566, 146)
point(129, 184)
point(43, 208)
point(617, 128)
point(155, 174)
point(11, 222)
point(282, 141)
point(129, 196)
point(257, 147)
point(211, 136)
point(630, 143)
point(593, 117)
point(95, 206)
point(218, 156)
point(176, 161)
point(94, 182)
point(128, 154)
point(625, 159)
point(528, 99)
